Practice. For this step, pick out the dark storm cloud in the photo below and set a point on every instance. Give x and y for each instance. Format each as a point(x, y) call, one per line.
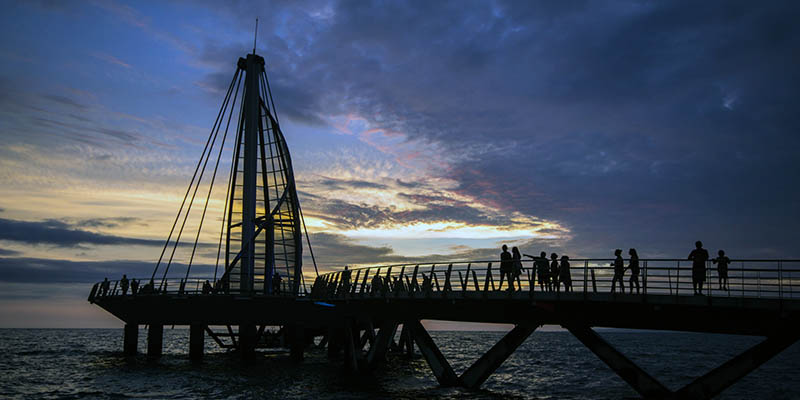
point(37, 270)
point(7, 252)
point(343, 184)
point(59, 233)
point(635, 122)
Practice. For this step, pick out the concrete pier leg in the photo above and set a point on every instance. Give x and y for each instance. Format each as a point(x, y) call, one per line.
point(334, 343)
point(377, 351)
point(406, 342)
point(639, 380)
point(130, 341)
point(247, 342)
point(479, 371)
point(197, 341)
point(155, 340)
point(350, 355)
point(438, 364)
point(298, 343)
point(717, 380)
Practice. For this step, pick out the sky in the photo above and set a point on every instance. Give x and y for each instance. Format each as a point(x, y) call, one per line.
point(418, 131)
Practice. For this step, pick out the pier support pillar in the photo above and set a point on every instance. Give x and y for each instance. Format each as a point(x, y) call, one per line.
point(718, 379)
point(155, 340)
point(350, 354)
point(406, 343)
point(479, 371)
point(298, 342)
point(130, 341)
point(438, 364)
point(197, 342)
point(639, 380)
point(247, 341)
point(377, 351)
point(334, 343)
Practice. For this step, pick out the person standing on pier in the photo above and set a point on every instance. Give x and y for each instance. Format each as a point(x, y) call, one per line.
point(542, 273)
point(276, 283)
point(134, 287)
point(699, 256)
point(554, 272)
point(505, 268)
point(516, 267)
point(633, 265)
point(123, 283)
point(564, 274)
point(619, 271)
point(722, 269)
point(104, 287)
point(345, 281)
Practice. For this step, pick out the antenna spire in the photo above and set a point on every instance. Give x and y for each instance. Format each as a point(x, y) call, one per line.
point(255, 36)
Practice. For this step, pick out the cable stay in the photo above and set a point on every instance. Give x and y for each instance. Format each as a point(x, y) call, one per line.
point(260, 237)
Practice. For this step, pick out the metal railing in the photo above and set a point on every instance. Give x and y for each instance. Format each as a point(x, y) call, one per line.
point(175, 287)
point(751, 278)
point(745, 278)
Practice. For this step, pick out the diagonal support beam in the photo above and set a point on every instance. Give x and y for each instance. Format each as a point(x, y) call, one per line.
point(439, 365)
point(482, 369)
point(378, 349)
point(717, 380)
point(639, 380)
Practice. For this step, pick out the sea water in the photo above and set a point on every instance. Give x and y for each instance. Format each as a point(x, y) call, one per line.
point(88, 363)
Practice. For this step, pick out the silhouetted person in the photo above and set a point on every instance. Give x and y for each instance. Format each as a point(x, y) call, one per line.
point(345, 280)
point(134, 286)
point(377, 284)
point(722, 269)
point(506, 264)
point(619, 271)
point(123, 283)
point(542, 271)
point(516, 266)
point(633, 265)
point(427, 286)
point(276, 283)
point(554, 272)
point(699, 256)
point(104, 287)
point(182, 287)
point(564, 274)
point(207, 287)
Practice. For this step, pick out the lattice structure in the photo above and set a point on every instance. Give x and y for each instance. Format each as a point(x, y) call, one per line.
point(261, 226)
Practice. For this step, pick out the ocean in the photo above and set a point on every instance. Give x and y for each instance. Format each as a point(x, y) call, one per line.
point(87, 363)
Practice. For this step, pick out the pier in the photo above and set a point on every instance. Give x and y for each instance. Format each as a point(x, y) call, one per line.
point(364, 314)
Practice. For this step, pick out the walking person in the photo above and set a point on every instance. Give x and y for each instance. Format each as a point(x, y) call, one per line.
point(619, 271)
point(104, 287)
point(633, 265)
point(506, 264)
point(564, 274)
point(542, 273)
point(699, 256)
point(345, 289)
point(276, 283)
point(722, 262)
point(134, 287)
point(554, 272)
point(516, 267)
point(123, 283)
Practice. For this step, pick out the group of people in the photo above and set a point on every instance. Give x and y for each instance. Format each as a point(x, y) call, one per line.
point(552, 274)
point(699, 257)
point(221, 286)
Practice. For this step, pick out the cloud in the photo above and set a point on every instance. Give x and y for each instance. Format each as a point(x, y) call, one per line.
point(7, 252)
point(58, 233)
point(39, 270)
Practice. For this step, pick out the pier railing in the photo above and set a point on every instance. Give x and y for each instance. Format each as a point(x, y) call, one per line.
point(176, 287)
point(756, 278)
point(752, 278)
